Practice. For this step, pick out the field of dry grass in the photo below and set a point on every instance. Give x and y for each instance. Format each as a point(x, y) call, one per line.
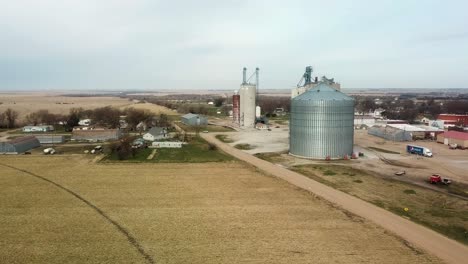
point(441, 212)
point(25, 103)
point(184, 213)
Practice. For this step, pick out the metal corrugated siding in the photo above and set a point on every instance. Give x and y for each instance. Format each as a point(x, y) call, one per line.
point(322, 127)
point(390, 134)
point(192, 121)
point(19, 147)
point(50, 139)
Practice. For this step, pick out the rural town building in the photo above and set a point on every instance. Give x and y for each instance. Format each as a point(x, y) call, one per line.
point(454, 137)
point(19, 145)
point(142, 126)
point(434, 123)
point(50, 139)
point(405, 132)
point(88, 128)
point(166, 144)
point(155, 133)
point(96, 135)
point(452, 120)
point(420, 131)
point(29, 129)
point(367, 120)
point(194, 120)
point(84, 122)
point(261, 126)
point(390, 133)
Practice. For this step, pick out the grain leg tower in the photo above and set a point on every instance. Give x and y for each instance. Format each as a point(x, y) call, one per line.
point(247, 101)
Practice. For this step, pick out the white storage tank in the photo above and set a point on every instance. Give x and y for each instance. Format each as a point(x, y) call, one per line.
point(247, 94)
point(258, 111)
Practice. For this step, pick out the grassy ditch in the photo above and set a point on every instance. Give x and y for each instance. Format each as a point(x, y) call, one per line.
point(457, 188)
point(273, 157)
point(441, 212)
point(196, 151)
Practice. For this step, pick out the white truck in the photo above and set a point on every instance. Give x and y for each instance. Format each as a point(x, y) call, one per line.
point(419, 150)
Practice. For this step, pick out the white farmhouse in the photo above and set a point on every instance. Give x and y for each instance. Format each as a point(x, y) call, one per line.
point(155, 133)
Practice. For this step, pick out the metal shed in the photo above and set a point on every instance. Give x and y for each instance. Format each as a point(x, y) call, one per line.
point(19, 145)
point(50, 139)
point(194, 120)
point(390, 133)
point(321, 124)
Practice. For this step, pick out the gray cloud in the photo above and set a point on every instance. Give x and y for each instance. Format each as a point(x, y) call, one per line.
point(123, 44)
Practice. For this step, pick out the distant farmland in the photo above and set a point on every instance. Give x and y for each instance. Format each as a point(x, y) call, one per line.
point(25, 103)
point(175, 213)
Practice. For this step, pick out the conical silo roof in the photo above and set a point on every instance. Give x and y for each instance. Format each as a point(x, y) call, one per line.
point(322, 92)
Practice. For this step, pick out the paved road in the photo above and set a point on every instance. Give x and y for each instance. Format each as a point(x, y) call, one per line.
point(446, 249)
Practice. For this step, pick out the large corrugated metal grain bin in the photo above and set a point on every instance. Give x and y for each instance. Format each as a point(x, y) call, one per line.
point(321, 124)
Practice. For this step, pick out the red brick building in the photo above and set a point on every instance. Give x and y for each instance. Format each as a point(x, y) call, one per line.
point(454, 119)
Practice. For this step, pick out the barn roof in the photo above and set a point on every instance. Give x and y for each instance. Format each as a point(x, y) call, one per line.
point(22, 139)
point(95, 132)
point(188, 116)
point(456, 135)
point(156, 131)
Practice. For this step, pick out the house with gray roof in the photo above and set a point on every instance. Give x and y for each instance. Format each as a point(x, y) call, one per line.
point(155, 133)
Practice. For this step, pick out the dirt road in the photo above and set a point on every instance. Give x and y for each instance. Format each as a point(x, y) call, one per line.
point(446, 249)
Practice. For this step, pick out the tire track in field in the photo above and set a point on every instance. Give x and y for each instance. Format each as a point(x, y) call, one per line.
point(131, 239)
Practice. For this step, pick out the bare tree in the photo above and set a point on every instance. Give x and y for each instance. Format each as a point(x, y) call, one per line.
point(135, 116)
point(364, 105)
point(106, 115)
point(11, 117)
point(2, 120)
point(32, 119)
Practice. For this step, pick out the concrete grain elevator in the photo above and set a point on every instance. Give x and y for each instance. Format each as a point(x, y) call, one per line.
point(247, 101)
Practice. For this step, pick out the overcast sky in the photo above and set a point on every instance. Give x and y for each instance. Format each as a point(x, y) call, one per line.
point(149, 44)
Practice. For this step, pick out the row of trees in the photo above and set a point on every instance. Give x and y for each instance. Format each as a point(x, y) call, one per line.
point(408, 110)
point(111, 117)
point(191, 107)
point(104, 116)
point(268, 104)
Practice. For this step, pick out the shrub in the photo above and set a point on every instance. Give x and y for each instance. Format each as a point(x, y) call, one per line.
point(212, 146)
point(409, 191)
